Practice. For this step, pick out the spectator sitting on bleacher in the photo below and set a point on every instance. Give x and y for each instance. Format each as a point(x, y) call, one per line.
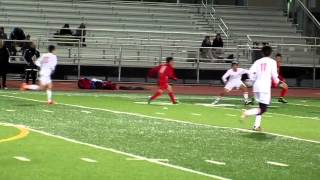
point(206, 52)
point(3, 35)
point(16, 34)
point(81, 33)
point(218, 44)
point(65, 30)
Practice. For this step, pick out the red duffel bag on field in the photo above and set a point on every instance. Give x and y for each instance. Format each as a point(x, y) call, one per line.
point(84, 83)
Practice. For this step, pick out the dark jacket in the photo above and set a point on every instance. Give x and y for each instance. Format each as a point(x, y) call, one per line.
point(30, 55)
point(217, 43)
point(4, 59)
point(205, 43)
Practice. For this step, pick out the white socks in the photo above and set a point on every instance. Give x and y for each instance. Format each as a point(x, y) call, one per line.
point(251, 112)
point(246, 96)
point(49, 95)
point(33, 87)
point(257, 122)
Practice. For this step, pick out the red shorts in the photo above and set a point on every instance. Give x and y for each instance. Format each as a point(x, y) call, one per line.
point(275, 85)
point(163, 86)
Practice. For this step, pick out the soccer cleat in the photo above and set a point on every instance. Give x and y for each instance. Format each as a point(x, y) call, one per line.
point(149, 101)
point(258, 129)
point(282, 100)
point(23, 87)
point(215, 102)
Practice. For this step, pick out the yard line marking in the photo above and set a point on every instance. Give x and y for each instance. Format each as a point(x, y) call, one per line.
point(20, 158)
point(232, 115)
point(139, 159)
point(168, 119)
point(125, 154)
point(156, 103)
point(10, 110)
point(165, 108)
point(87, 112)
point(196, 114)
point(160, 113)
point(215, 162)
point(216, 105)
point(47, 111)
point(277, 164)
point(88, 160)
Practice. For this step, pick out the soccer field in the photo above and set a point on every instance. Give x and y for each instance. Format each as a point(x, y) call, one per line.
point(118, 136)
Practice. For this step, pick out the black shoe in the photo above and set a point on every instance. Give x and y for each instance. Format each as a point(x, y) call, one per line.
point(282, 100)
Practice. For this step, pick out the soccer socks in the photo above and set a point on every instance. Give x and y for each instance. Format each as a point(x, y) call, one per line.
point(257, 122)
point(172, 97)
point(246, 96)
point(156, 95)
point(49, 95)
point(251, 112)
point(283, 92)
point(32, 87)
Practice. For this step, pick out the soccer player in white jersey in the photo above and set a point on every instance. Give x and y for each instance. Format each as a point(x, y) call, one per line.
point(262, 72)
point(232, 80)
point(47, 63)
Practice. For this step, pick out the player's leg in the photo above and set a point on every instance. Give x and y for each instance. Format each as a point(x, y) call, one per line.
point(171, 95)
point(158, 93)
point(245, 92)
point(284, 90)
point(49, 93)
point(221, 95)
point(34, 76)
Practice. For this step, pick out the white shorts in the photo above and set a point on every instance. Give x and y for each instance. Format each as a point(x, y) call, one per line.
point(233, 85)
point(45, 80)
point(264, 98)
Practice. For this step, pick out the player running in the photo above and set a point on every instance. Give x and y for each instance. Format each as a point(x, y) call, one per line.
point(262, 72)
point(164, 72)
point(284, 89)
point(47, 63)
point(234, 82)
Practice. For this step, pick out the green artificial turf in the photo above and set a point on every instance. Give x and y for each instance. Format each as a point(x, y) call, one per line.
point(160, 132)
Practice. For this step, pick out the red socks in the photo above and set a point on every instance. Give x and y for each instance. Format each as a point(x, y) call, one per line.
point(172, 98)
point(283, 92)
point(156, 95)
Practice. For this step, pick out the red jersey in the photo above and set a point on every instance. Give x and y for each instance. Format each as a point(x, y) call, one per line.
point(279, 71)
point(166, 72)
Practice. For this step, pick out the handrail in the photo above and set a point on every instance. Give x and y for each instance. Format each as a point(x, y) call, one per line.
point(311, 16)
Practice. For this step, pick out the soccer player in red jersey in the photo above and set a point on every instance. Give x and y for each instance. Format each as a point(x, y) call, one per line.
point(274, 85)
point(165, 72)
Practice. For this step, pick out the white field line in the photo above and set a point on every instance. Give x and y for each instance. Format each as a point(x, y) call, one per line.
point(195, 114)
point(277, 164)
point(165, 119)
point(87, 112)
point(138, 159)
point(47, 111)
point(231, 115)
point(124, 153)
point(10, 110)
point(21, 158)
point(216, 162)
point(156, 103)
point(165, 108)
point(160, 113)
point(229, 108)
point(88, 160)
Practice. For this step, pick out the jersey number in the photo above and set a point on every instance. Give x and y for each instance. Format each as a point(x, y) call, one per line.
point(263, 67)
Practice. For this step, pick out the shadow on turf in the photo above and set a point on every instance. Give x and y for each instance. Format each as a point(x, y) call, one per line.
point(258, 136)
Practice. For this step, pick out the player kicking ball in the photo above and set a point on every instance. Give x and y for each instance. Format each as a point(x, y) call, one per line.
point(47, 63)
point(263, 72)
point(164, 72)
point(234, 82)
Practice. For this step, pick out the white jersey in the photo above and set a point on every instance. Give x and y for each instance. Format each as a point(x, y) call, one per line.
point(263, 72)
point(234, 76)
point(47, 63)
